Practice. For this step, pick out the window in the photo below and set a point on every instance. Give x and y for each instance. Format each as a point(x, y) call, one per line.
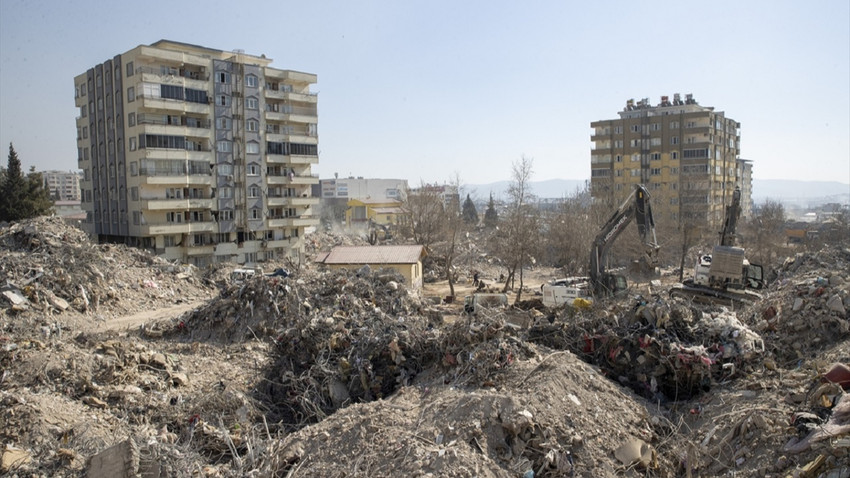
point(598, 173)
point(655, 172)
point(85, 132)
point(196, 96)
point(251, 81)
point(129, 68)
point(674, 155)
point(618, 143)
point(223, 123)
point(225, 193)
point(619, 158)
point(655, 142)
point(134, 193)
point(136, 218)
point(656, 126)
point(251, 103)
point(618, 130)
point(171, 92)
point(635, 128)
point(635, 157)
point(134, 167)
point(695, 153)
point(222, 77)
point(222, 100)
point(252, 148)
point(252, 125)
point(224, 147)
point(131, 94)
point(132, 144)
point(674, 125)
point(655, 156)
point(674, 140)
point(253, 170)
point(635, 172)
point(253, 192)
point(674, 171)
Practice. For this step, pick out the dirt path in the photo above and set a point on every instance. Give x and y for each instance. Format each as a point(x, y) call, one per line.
point(147, 316)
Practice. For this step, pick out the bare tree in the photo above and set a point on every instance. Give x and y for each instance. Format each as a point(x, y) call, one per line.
point(452, 227)
point(519, 233)
point(423, 221)
point(569, 232)
point(766, 232)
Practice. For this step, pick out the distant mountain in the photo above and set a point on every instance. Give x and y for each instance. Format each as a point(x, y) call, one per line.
point(786, 191)
point(790, 191)
point(550, 188)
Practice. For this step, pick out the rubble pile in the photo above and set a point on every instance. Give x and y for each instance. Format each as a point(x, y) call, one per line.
point(664, 351)
point(550, 415)
point(807, 308)
point(51, 268)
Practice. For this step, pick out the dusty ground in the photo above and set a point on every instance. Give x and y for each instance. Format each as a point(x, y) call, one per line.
point(332, 374)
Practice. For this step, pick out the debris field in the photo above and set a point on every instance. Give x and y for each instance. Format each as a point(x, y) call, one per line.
point(116, 363)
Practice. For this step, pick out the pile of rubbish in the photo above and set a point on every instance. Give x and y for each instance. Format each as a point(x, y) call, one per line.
point(807, 307)
point(664, 351)
point(50, 268)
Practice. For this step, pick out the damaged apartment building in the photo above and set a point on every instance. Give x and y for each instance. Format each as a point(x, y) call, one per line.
point(686, 154)
point(198, 154)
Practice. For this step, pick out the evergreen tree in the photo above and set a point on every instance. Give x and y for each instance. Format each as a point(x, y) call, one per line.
point(22, 197)
point(470, 214)
point(37, 201)
point(491, 217)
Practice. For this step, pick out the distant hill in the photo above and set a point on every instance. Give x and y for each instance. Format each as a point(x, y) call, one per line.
point(789, 191)
point(550, 188)
point(786, 191)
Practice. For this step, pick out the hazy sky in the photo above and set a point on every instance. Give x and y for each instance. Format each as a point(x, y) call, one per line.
point(422, 90)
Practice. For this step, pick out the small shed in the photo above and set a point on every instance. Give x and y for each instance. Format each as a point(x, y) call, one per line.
point(406, 260)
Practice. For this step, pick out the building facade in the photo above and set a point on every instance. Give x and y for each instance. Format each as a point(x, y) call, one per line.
point(686, 154)
point(198, 154)
point(62, 185)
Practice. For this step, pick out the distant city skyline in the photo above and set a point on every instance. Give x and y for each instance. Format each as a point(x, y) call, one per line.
point(424, 91)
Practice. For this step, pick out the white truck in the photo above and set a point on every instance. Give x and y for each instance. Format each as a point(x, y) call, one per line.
point(574, 291)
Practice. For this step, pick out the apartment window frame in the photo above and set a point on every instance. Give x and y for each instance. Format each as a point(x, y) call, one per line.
point(251, 81)
point(252, 103)
point(224, 146)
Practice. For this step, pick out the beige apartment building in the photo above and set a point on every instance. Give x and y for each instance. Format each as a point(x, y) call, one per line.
point(198, 154)
point(686, 154)
point(62, 185)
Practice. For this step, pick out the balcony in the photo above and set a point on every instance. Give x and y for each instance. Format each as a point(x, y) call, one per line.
point(291, 159)
point(304, 221)
point(177, 228)
point(176, 179)
point(177, 204)
point(292, 201)
point(190, 77)
point(200, 250)
point(167, 104)
point(298, 179)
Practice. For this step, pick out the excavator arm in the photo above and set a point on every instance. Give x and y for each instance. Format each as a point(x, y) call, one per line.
point(636, 207)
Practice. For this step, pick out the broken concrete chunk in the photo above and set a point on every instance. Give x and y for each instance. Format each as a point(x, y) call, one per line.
point(15, 297)
point(94, 402)
point(636, 451)
point(835, 305)
point(13, 458)
point(179, 379)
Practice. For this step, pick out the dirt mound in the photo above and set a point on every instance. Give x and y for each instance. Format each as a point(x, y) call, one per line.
point(551, 415)
point(55, 277)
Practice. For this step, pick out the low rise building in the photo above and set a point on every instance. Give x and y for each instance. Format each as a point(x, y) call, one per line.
point(406, 260)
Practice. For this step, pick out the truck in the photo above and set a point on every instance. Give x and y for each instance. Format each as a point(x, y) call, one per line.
point(472, 304)
point(574, 291)
point(603, 282)
point(724, 276)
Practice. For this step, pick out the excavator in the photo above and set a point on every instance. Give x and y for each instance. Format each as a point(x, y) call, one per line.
point(601, 282)
point(725, 276)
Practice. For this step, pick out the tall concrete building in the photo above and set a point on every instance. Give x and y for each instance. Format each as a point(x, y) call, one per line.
point(685, 153)
point(62, 185)
point(198, 154)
